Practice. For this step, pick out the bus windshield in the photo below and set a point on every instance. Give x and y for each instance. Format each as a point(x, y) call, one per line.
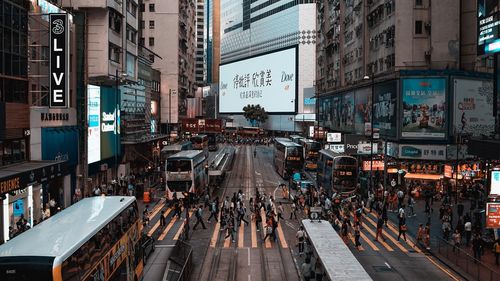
point(178, 165)
point(294, 151)
point(315, 146)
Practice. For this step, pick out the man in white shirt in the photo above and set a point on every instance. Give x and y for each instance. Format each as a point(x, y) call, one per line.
point(468, 232)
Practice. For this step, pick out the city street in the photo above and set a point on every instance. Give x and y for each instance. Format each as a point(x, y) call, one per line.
point(217, 258)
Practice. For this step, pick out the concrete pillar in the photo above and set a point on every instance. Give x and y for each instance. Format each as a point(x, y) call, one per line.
point(5, 218)
point(67, 191)
point(37, 202)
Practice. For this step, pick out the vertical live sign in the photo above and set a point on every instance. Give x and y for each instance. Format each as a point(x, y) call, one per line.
point(59, 61)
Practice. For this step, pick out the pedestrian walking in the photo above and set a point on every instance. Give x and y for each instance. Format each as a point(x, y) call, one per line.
point(402, 231)
point(468, 232)
point(457, 238)
point(213, 211)
point(411, 205)
point(258, 219)
point(241, 215)
point(380, 225)
point(496, 251)
point(162, 218)
point(231, 230)
point(293, 211)
point(427, 236)
point(476, 247)
point(269, 231)
point(280, 211)
point(199, 218)
point(420, 233)
point(357, 234)
point(344, 231)
point(307, 270)
point(318, 270)
point(300, 235)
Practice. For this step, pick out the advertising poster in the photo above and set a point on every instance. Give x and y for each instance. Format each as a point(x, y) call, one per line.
point(362, 111)
point(110, 123)
point(268, 80)
point(495, 183)
point(347, 112)
point(336, 103)
point(424, 103)
point(488, 21)
point(327, 112)
point(422, 152)
point(473, 107)
point(492, 215)
point(385, 108)
point(94, 123)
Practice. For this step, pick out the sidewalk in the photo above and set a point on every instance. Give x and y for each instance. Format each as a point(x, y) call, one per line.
point(438, 246)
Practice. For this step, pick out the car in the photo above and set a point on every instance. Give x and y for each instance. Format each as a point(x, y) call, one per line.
point(148, 246)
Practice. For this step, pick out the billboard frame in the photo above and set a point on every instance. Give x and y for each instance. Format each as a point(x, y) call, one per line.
point(296, 109)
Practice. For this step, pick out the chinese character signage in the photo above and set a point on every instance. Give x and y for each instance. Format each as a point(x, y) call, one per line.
point(424, 103)
point(473, 107)
point(422, 152)
point(59, 60)
point(268, 80)
point(488, 27)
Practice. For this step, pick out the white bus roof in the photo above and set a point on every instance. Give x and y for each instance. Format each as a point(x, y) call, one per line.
point(337, 259)
point(288, 143)
point(189, 154)
point(62, 234)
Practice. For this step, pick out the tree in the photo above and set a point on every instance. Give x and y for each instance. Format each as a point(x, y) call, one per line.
point(255, 114)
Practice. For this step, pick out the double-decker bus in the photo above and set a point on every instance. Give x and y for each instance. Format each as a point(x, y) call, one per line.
point(97, 238)
point(288, 157)
point(200, 142)
point(296, 138)
point(337, 172)
point(250, 131)
point(174, 148)
point(311, 150)
point(185, 172)
point(212, 142)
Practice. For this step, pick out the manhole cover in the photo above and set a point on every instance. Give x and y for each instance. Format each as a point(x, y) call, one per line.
point(381, 268)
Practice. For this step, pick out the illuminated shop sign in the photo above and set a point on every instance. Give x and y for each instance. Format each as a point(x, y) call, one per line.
point(59, 60)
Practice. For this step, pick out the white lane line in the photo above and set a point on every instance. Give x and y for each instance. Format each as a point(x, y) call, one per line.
point(258, 174)
point(248, 257)
point(388, 266)
point(289, 224)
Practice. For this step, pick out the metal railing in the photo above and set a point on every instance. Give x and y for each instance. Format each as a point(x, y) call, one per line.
point(465, 262)
point(180, 263)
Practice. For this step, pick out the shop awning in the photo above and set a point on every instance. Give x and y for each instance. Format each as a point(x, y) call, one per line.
point(423, 176)
point(305, 117)
point(21, 175)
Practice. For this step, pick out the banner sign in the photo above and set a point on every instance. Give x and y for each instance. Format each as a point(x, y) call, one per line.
point(362, 111)
point(422, 152)
point(488, 22)
point(333, 137)
point(59, 60)
point(495, 183)
point(473, 107)
point(385, 100)
point(377, 165)
point(424, 103)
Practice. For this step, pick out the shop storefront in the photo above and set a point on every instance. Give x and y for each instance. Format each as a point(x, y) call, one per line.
point(21, 192)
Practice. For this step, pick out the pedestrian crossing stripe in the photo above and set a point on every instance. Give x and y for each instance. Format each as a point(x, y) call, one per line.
point(253, 229)
point(152, 230)
point(167, 229)
point(369, 242)
point(157, 208)
point(386, 246)
point(360, 248)
point(240, 234)
point(215, 235)
point(403, 249)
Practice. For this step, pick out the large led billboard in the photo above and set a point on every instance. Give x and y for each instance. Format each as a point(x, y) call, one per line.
point(269, 80)
point(94, 123)
point(103, 117)
point(488, 24)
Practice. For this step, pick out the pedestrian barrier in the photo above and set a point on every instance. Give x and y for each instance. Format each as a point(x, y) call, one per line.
point(465, 262)
point(179, 265)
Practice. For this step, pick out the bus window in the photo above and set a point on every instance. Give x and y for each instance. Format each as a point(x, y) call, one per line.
point(293, 151)
point(178, 165)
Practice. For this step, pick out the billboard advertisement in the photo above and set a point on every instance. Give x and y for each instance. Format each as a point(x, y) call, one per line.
point(59, 60)
point(346, 112)
point(473, 107)
point(94, 123)
point(385, 108)
point(110, 122)
point(424, 103)
point(422, 152)
point(492, 215)
point(269, 80)
point(495, 183)
point(362, 112)
point(488, 22)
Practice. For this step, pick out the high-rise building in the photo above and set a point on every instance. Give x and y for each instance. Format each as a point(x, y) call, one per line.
point(255, 28)
point(170, 31)
point(201, 39)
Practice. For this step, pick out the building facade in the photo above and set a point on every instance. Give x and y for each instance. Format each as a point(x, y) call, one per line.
point(170, 31)
point(252, 28)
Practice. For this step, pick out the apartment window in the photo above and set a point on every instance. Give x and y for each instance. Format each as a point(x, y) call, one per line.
point(418, 3)
point(133, 10)
point(143, 8)
point(114, 53)
point(418, 27)
point(142, 24)
point(142, 41)
point(115, 21)
point(131, 34)
point(151, 24)
point(152, 7)
point(151, 41)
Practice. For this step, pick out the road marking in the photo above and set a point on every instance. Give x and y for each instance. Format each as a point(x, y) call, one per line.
point(227, 241)
point(241, 233)
point(267, 242)
point(369, 242)
point(248, 251)
point(442, 269)
point(156, 209)
point(215, 235)
point(281, 237)
point(403, 249)
point(388, 266)
point(289, 224)
point(152, 230)
point(167, 229)
point(354, 242)
point(254, 234)
point(382, 241)
point(176, 237)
